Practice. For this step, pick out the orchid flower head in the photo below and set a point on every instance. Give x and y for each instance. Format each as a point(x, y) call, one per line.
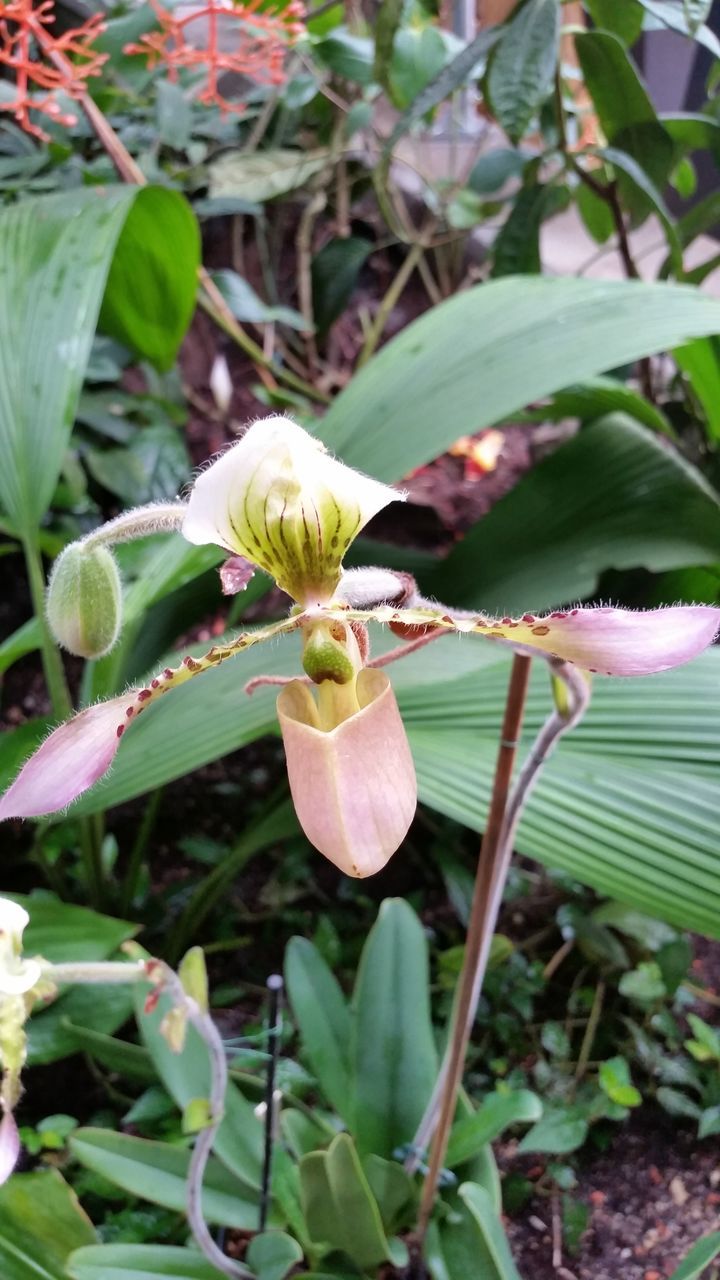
point(276, 499)
point(281, 501)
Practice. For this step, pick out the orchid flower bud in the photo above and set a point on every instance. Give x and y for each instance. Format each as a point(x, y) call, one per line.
point(353, 785)
point(281, 501)
point(84, 600)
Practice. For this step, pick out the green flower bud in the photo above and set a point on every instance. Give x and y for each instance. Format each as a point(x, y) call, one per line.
point(84, 600)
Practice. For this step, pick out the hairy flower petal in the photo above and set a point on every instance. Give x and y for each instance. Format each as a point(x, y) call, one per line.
point(281, 501)
point(81, 750)
point(613, 642)
point(354, 787)
point(9, 1146)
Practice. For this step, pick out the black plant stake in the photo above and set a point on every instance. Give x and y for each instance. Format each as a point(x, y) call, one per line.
point(274, 1033)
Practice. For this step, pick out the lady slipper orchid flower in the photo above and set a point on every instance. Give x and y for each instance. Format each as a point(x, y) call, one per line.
point(278, 501)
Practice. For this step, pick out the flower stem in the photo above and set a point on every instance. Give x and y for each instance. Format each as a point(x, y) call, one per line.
point(51, 660)
point(477, 927)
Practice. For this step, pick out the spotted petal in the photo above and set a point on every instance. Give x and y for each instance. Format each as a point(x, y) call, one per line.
point(81, 750)
point(613, 642)
point(353, 787)
point(281, 501)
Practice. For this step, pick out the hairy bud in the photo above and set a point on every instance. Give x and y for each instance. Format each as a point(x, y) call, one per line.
point(84, 602)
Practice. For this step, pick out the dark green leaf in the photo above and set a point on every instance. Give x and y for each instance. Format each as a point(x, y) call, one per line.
point(387, 21)
point(247, 306)
point(51, 1033)
point(624, 20)
point(151, 288)
point(635, 175)
point(350, 56)
point(394, 1050)
point(339, 1207)
point(335, 270)
point(157, 1172)
point(516, 250)
point(452, 77)
point(522, 66)
point(491, 172)
point(699, 1257)
point(600, 396)
point(60, 932)
point(41, 1223)
point(323, 1020)
point(677, 1103)
point(607, 498)
point(419, 56)
point(498, 1112)
point(472, 1241)
point(700, 361)
point(560, 1130)
point(139, 1262)
point(596, 214)
point(272, 1255)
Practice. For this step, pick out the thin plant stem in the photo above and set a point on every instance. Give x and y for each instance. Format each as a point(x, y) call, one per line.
point(275, 989)
point(590, 1032)
point(393, 293)
point(52, 662)
point(477, 927)
point(138, 851)
point(567, 713)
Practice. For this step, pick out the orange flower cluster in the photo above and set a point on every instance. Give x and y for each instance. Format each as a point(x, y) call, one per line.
point(43, 64)
point(223, 37)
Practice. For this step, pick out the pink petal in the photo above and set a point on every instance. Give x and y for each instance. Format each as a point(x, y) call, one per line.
point(9, 1146)
point(235, 574)
point(353, 788)
point(69, 762)
point(614, 642)
point(619, 642)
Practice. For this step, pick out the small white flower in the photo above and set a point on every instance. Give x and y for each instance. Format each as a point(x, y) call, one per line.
point(16, 975)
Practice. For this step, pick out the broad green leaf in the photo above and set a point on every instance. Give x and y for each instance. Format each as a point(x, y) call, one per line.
point(495, 168)
point(453, 76)
point(597, 397)
point(522, 65)
point(625, 111)
point(516, 249)
point(339, 1207)
point(699, 1257)
point(132, 1061)
point(272, 1255)
point(139, 1262)
point(498, 1111)
point(472, 1241)
point(25, 640)
point(692, 131)
point(186, 1076)
point(61, 932)
point(262, 175)
point(101, 1008)
point(348, 55)
point(157, 1172)
point(486, 353)
point(152, 285)
point(419, 56)
point(393, 1189)
point(700, 361)
point(55, 255)
point(323, 1021)
point(596, 214)
point(335, 270)
point(41, 1223)
point(624, 20)
point(247, 306)
point(609, 498)
point(395, 1060)
point(560, 1130)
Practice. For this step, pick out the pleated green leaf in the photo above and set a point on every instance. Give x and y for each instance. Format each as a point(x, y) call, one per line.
point(56, 254)
point(613, 497)
point(488, 352)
